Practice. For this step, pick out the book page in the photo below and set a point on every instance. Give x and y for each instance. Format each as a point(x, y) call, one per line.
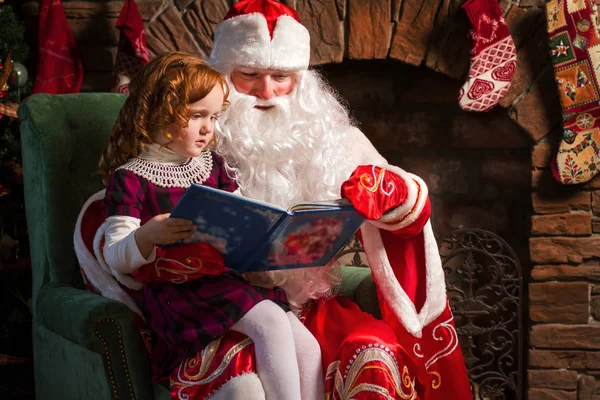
point(320, 205)
point(308, 238)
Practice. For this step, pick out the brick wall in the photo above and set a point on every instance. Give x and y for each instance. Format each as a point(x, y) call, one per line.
point(564, 355)
point(477, 166)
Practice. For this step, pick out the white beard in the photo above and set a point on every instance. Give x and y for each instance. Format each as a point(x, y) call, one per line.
point(298, 150)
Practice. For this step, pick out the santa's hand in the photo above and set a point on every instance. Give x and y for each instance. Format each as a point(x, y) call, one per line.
point(373, 191)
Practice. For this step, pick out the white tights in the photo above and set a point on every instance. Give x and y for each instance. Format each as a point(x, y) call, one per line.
point(288, 357)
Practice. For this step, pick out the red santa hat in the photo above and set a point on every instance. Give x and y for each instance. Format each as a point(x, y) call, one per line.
point(262, 34)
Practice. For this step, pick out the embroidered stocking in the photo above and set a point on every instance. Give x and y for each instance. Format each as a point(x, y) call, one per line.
point(574, 40)
point(493, 57)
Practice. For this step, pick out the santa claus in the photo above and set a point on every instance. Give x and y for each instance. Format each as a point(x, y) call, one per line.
point(286, 138)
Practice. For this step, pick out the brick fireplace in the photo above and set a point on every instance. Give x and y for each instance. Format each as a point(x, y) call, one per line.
point(400, 63)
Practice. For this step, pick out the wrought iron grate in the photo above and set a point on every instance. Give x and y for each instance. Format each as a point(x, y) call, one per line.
point(484, 284)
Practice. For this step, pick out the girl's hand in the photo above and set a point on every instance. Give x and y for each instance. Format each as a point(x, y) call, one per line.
point(162, 230)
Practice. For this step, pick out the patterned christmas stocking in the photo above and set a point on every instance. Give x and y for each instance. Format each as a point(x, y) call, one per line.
point(574, 40)
point(493, 57)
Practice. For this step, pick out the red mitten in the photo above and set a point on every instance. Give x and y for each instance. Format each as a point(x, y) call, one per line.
point(181, 264)
point(373, 191)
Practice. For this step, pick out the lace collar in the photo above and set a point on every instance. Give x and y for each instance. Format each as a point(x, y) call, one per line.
point(170, 174)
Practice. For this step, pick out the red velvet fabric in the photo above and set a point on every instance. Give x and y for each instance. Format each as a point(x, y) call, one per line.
point(361, 355)
point(59, 68)
point(204, 373)
point(132, 52)
point(437, 357)
point(373, 191)
point(270, 9)
point(131, 25)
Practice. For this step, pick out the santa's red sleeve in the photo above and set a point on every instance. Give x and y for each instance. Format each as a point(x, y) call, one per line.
point(406, 266)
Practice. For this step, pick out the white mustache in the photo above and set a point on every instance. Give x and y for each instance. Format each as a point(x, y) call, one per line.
point(264, 103)
point(248, 101)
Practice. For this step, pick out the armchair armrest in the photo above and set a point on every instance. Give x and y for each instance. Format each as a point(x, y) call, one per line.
point(358, 285)
point(103, 326)
point(74, 313)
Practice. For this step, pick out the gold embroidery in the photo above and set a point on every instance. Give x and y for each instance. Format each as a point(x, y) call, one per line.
point(333, 367)
point(406, 381)
point(207, 356)
point(414, 208)
point(186, 380)
point(367, 387)
point(436, 384)
point(365, 179)
point(188, 268)
point(365, 182)
point(450, 347)
point(346, 387)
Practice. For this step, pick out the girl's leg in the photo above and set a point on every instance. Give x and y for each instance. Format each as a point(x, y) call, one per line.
point(308, 351)
point(276, 364)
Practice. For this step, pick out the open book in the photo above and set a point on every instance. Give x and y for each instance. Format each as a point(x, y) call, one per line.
point(257, 236)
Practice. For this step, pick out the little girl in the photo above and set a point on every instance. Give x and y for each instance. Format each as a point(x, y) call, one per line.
point(158, 148)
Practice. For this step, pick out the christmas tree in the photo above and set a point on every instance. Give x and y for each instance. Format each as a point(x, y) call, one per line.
point(15, 274)
point(15, 85)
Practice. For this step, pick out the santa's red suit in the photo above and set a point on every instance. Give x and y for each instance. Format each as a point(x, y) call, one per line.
point(417, 333)
point(413, 352)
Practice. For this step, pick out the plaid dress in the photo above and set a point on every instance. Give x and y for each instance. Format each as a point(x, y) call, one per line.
point(183, 318)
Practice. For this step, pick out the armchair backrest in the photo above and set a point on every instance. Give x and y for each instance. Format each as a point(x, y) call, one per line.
point(62, 138)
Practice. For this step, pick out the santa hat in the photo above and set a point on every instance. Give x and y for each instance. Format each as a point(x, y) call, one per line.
point(262, 34)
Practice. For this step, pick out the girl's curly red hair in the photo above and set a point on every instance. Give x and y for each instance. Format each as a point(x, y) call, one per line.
point(158, 102)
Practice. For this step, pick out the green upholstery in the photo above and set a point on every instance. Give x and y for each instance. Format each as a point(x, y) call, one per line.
point(86, 346)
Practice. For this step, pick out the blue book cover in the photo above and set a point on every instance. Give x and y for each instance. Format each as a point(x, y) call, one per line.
point(257, 236)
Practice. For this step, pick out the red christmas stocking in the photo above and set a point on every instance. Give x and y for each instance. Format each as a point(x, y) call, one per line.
point(574, 40)
point(132, 53)
point(493, 57)
point(59, 66)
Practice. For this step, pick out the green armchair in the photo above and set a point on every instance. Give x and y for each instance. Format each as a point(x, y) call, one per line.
point(86, 346)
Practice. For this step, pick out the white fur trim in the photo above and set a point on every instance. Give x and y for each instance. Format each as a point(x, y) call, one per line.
point(97, 276)
point(409, 211)
point(242, 387)
point(245, 41)
point(393, 294)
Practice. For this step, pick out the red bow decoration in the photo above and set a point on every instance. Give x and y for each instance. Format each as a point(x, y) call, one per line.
point(373, 191)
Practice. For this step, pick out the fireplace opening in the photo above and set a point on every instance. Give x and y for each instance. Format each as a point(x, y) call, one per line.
point(478, 170)
point(477, 166)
